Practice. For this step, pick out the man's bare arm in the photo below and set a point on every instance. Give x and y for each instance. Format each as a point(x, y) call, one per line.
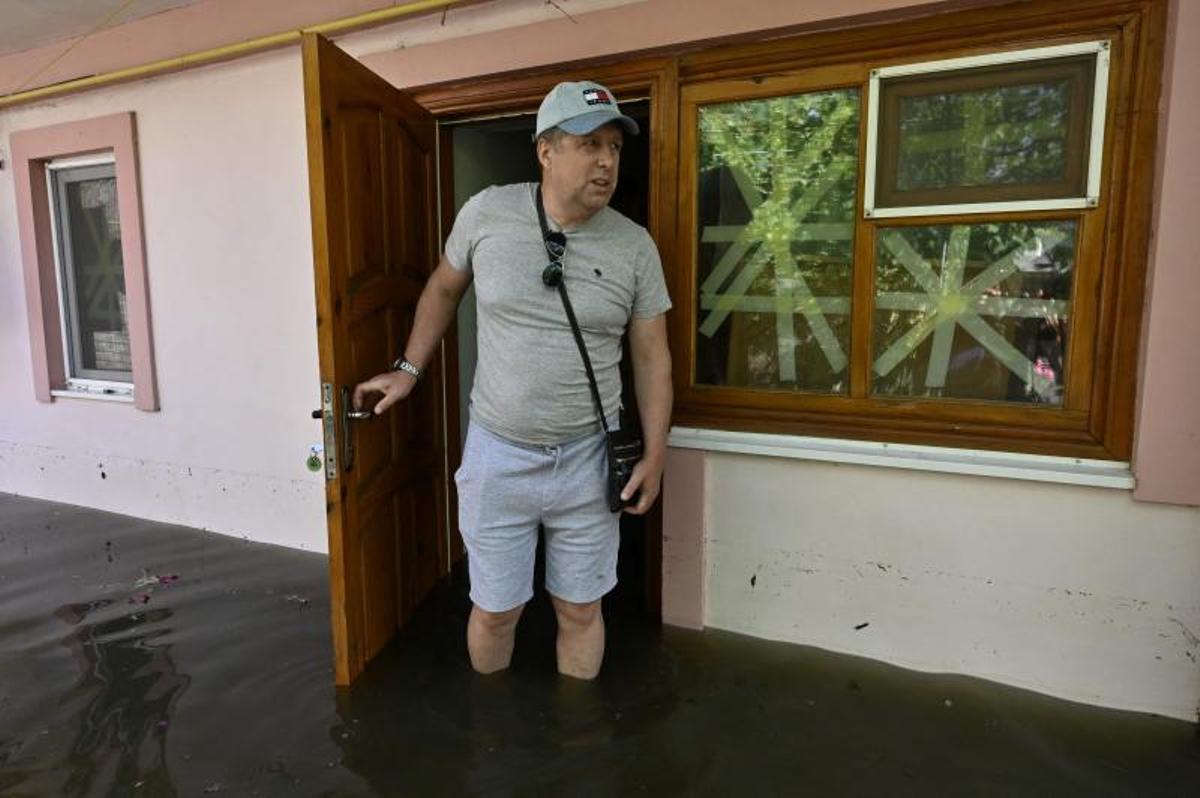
point(652, 382)
point(435, 310)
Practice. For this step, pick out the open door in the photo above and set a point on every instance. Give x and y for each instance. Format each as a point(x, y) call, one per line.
point(372, 166)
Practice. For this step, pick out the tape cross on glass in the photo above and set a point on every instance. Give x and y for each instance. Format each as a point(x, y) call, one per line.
point(776, 222)
point(948, 303)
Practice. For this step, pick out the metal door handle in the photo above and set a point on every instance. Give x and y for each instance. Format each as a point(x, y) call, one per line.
point(350, 414)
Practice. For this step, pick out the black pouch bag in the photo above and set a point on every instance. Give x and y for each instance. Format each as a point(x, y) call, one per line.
point(624, 452)
point(624, 445)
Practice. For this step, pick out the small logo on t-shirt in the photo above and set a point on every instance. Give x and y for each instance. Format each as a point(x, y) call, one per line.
point(596, 97)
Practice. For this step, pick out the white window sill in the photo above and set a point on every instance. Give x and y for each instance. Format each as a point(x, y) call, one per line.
point(127, 398)
point(1006, 465)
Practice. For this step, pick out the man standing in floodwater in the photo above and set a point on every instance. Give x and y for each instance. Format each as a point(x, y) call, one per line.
point(535, 452)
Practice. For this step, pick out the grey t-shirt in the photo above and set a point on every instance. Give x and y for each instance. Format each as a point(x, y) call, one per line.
point(530, 384)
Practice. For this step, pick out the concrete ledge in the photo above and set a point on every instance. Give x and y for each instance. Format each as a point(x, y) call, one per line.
point(1006, 465)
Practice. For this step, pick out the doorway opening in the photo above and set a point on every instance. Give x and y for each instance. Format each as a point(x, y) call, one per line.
point(498, 150)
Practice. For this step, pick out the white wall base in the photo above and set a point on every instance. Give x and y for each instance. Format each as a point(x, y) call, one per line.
point(1080, 593)
point(289, 512)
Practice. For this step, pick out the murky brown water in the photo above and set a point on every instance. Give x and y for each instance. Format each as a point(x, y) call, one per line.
point(139, 659)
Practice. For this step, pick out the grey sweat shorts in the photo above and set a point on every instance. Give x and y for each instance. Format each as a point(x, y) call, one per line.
point(505, 489)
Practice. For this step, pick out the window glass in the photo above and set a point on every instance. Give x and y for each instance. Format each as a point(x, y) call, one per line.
point(776, 195)
point(1011, 132)
point(973, 311)
point(92, 273)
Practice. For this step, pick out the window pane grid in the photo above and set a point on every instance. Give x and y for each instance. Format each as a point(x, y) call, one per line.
point(976, 308)
point(1069, 392)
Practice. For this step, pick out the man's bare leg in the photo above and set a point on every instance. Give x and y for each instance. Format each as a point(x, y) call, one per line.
point(490, 638)
point(580, 638)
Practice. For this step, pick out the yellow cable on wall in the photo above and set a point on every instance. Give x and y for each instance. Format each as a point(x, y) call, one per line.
point(223, 53)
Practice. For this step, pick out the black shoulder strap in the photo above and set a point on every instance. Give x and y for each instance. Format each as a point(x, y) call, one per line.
point(562, 292)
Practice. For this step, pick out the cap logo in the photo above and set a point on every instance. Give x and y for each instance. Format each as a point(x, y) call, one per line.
point(596, 97)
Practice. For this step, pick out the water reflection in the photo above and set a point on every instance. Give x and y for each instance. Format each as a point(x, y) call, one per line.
point(141, 659)
point(128, 688)
point(527, 729)
point(222, 685)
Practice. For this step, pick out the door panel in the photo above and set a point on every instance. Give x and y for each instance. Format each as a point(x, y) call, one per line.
point(371, 172)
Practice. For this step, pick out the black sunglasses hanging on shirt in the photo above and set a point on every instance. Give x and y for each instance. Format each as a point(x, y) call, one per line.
point(624, 445)
point(556, 247)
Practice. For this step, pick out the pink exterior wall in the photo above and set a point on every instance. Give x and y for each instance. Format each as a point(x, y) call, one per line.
point(628, 25)
point(200, 26)
point(635, 27)
point(1167, 454)
point(683, 539)
point(228, 254)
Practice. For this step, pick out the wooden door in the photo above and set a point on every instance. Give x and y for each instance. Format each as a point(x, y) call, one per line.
point(372, 171)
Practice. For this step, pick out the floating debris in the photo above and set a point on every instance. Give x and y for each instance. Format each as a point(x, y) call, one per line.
point(301, 600)
point(150, 581)
point(147, 579)
point(861, 626)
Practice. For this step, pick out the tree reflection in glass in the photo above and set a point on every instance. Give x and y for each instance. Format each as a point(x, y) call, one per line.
point(1013, 132)
point(973, 311)
point(776, 194)
point(1010, 134)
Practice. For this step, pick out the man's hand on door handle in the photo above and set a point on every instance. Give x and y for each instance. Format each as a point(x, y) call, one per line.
point(394, 385)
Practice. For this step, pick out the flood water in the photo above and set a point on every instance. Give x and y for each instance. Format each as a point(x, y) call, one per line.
point(142, 659)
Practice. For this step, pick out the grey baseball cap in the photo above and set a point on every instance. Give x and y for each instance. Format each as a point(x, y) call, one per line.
point(580, 108)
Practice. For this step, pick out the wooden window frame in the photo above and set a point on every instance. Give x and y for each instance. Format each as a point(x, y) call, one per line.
point(1096, 420)
point(883, 197)
point(33, 150)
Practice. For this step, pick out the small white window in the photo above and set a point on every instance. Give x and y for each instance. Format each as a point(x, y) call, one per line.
point(91, 275)
point(1014, 131)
